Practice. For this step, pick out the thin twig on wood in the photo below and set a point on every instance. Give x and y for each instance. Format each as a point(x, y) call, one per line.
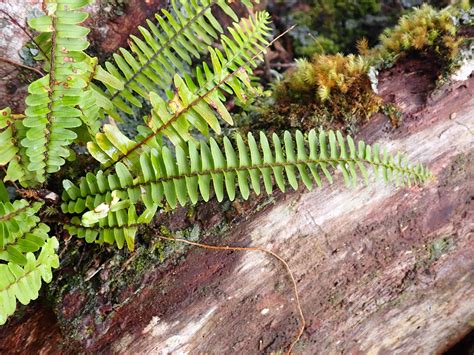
point(16, 64)
point(16, 23)
point(261, 250)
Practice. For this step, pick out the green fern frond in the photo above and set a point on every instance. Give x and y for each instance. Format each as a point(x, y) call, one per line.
point(51, 112)
point(20, 230)
point(186, 175)
point(193, 105)
point(12, 153)
point(8, 145)
point(152, 61)
point(23, 283)
point(113, 223)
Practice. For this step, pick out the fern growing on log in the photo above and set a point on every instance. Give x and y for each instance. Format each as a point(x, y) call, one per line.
point(193, 104)
point(52, 114)
point(140, 176)
point(166, 47)
point(185, 175)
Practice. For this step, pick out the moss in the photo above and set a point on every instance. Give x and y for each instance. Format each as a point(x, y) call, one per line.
point(393, 113)
point(331, 87)
point(337, 91)
point(331, 26)
point(426, 31)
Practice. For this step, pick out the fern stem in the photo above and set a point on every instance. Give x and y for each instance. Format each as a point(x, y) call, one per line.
point(14, 213)
point(16, 64)
point(307, 162)
point(49, 115)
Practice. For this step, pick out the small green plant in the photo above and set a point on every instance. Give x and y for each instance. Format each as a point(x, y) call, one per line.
point(166, 163)
point(339, 87)
point(337, 84)
point(425, 30)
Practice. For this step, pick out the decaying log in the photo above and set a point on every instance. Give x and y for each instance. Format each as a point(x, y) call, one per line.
point(379, 269)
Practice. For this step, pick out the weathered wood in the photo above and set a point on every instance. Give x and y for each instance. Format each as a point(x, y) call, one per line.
point(379, 268)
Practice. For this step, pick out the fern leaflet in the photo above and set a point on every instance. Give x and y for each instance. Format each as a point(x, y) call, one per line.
point(23, 283)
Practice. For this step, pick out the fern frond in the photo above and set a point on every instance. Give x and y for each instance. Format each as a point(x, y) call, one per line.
point(20, 230)
point(8, 144)
point(23, 283)
point(194, 104)
point(152, 61)
point(51, 112)
point(113, 223)
point(12, 153)
point(186, 176)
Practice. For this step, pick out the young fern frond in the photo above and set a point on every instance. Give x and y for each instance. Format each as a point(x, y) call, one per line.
point(186, 175)
point(23, 283)
point(51, 114)
point(193, 105)
point(151, 63)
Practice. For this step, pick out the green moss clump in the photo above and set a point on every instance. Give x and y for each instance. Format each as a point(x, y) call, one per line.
point(337, 85)
point(426, 30)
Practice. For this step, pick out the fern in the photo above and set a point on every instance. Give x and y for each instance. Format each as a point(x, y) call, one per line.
point(186, 175)
point(20, 232)
point(8, 144)
point(193, 104)
point(12, 153)
point(23, 283)
point(178, 37)
point(51, 112)
point(144, 174)
point(20, 236)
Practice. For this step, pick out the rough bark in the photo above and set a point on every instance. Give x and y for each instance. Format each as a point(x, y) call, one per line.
point(379, 269)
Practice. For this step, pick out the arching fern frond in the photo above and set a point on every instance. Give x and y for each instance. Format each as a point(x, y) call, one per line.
point(186, 175)
point(195, 104)
point(23, 283)
point(51, 112)
point(152, 61)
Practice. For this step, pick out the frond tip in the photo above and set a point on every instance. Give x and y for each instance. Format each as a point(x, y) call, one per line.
point(186, 175)
point(23, 283)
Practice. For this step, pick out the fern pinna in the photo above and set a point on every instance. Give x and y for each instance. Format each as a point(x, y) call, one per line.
point(173, 160)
